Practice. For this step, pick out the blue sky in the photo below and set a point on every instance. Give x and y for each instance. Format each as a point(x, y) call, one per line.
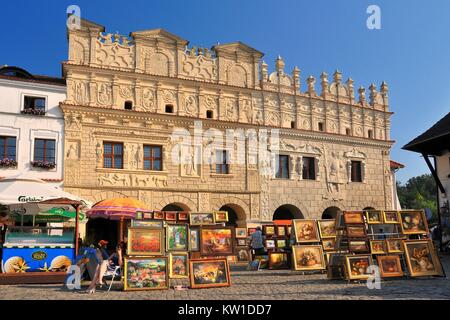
point(411, 51)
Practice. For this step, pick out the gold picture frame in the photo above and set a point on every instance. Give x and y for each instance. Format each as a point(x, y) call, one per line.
point(374, 216)
point(202, 218)
point(378, 247)
point(356, 266)
point(308, 257)
point(221, 216)
point(134, 279)
point(389, 266)
point(174, 261)
point(413, 222)
point(305, 231)
point(394, 245)
point(390, 217)
point(421, 258)
point(145, 242)
point(327, 228)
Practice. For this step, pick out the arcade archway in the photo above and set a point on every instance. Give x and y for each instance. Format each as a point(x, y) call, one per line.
point(287, 212)
point(236, 215)
point(330, 213)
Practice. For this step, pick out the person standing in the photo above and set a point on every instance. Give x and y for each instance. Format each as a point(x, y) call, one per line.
point(256, 242)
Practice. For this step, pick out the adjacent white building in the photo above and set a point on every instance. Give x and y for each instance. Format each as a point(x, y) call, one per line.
point(31, 125)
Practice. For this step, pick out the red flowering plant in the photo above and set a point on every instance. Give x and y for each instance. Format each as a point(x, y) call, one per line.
point(7, 163)
point(36, 112)
point(43, 164)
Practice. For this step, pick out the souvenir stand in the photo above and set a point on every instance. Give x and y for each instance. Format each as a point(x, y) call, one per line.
point(403, 250)
point(165, 247)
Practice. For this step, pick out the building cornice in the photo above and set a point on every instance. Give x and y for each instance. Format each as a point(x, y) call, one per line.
point(33, 85)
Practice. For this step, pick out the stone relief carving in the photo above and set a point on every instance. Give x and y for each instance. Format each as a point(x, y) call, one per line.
point(169, 96)
point(114, 51)
point(114, 179)
point(130, 180)
point(191, 165)
point(230, 112)
point(156, 62)
point(99, 154)
point(203, 201)
point(80, 92)
point(273, 118)
point(73, 121)
point(73, 151)
point(104, 94)
point(190, 105)
point(237, 76)
point(126, 92)
point(199, 66)
point(80, 50)
point(246, 111)
point(148, 100)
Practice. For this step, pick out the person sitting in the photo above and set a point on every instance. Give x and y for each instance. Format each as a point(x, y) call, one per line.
point(103, 261)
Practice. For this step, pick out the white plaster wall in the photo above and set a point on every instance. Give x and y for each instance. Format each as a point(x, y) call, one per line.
point(28, 127)
point(443, 170)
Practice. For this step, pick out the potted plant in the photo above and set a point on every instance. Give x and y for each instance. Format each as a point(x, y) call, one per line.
point(36, 112)
point(8, 163)
point(43, 164)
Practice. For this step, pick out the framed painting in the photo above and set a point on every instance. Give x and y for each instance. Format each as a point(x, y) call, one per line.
point(241, 233)
point(231, 259)
point(374, 216)
point(242, 242)
point(194, 239)
point(356, 231)
point(281, 243)
point(158, 215)
point(269, 230)
point(200, 218)
point(357, 266)
point(394, 245)
point(329, 244)
point(305, 231)
point(254, 265)
point(390, 217)
point(377, 247)
point(244, 254)
point(147, 215)
point(221, 216)
point(145, 242)
point(421, 258)
point(146, 224)
point(183, 216)
point(288, 230)
point(270, 244)
point(179, 265)
point(280, 231)
point(177, 237)
point(145, 273)
point(278, 260)
point(413, 222)
point(340, 223)
point(209, 273)
point(327, 228)
point(170, 215)
point(308, 257)
point(358, 246)
point(251, 231)
point(216, 241)
point(139, 215)
point(390, 266)
point(353, 217)
point(264, 261)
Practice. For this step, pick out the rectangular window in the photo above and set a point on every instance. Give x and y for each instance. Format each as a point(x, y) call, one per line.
point(44, 150)
point(356, 171)
point(309, 168)
point(347, 131)
point(283, 167)
point(320, 126)
point(113, 155)
point(7, 148)
point(34, 103)
point(152, 157)
point(222, 166)
point(370, 134)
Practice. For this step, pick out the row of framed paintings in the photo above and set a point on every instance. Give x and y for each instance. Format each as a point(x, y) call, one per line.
point(309, 231)
point(391, 245)
point(420, 255)
point(152, 273)
point(193, 218)
point(208, 240)
point(410, 221)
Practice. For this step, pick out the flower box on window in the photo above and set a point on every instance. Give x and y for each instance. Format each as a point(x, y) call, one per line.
point(36, 112)
point(8, 163)
point(43, 164)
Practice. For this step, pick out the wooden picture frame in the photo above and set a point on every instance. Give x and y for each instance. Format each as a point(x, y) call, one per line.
point(356, 266)
point(177, 237)
point(278, 260)
point(179, 265)
point(145, 242)
point(241, 242)
point(221, 216)
point(147, 215)
point(156, 224)
point(201, 272)
point(170, 215)
point(305, 231)
point(390, 217)
point(269, 230)
point(308, 257)
point(280, 231)
point(389, 266)
point(270, 244)
point(241, 232)
point(356, 231)
point(202, 218)
point(374, 216)
point(244, 254)
point(421, 258)
point(183, 216)
point(394, 245)
point(217, 241)
point(329, 244)
point(413, 222)
point(194, 239)
point(281, 243)
point(138, 270)
point(327, 228)
point(378, 247)
point(158, 215)
point(353, 217)
point(358, 246)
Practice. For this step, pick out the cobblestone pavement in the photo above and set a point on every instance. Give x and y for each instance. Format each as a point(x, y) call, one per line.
point(254, 285)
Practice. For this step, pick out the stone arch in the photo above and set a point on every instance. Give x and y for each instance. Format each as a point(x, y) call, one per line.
point(157, 63)
point(288, 201)
point(97, 197)
point(368, 208)
point(287, 212)
point(238, 205)
point(175, 206)
point(236, 215)
point(79, 53)
point(328, 204)
point(330, 212)
point(178, 200)
point(237, 76)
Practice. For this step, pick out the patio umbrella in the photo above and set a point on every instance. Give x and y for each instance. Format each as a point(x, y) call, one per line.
point(117, 209)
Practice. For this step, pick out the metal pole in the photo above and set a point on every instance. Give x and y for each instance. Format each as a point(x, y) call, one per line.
point(77, 211)
point(441, 247)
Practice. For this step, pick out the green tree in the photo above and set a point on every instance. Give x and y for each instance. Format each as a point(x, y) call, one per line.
point(418, 193)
